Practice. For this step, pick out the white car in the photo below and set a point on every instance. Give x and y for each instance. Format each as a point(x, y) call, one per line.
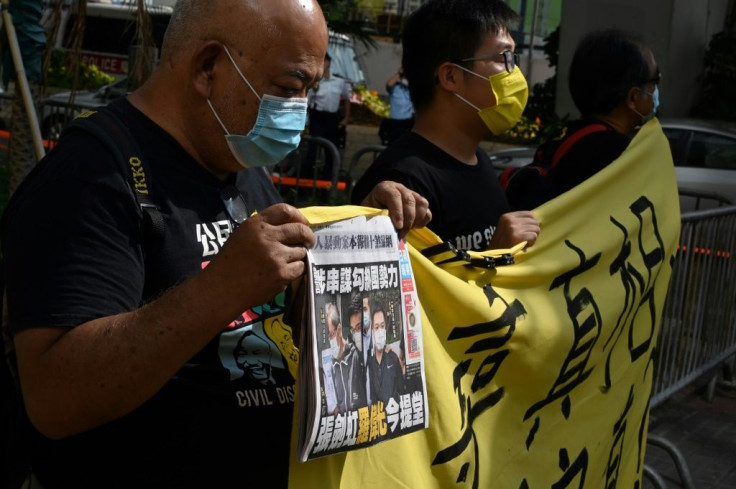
point(705, 159)
point(58, 109)
point(704, 152)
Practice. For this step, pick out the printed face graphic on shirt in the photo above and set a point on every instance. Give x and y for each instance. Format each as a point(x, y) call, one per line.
point(252, 355)
point(248, 353)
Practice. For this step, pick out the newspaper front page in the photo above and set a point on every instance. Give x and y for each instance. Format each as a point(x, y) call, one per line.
point(361, 371)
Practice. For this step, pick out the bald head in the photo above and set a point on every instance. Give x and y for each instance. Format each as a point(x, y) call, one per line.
point(219, 57)
point(239, 22)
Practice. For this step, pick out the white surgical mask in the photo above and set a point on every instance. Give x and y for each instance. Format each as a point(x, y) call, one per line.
point(334, 348)
point(358, 340)
point(277, 130)
point(655, 105)
point(380, 338)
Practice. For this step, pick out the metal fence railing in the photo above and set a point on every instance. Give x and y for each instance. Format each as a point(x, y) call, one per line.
point(310, 175)
point(313, 174)
point(356, 166)
point(698, 328)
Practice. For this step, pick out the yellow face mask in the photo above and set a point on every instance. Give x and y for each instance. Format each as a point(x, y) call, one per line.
point(511, 92)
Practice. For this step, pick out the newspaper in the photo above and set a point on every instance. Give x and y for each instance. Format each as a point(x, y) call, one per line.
point(361, 368)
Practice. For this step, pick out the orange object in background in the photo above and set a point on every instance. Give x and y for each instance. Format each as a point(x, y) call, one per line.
point(306, 182)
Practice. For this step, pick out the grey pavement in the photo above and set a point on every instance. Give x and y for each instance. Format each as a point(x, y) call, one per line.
point(704, 433)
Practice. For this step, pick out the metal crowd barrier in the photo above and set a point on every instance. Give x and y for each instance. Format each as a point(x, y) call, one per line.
point(698, 329)
point(53, 116)
point(372, 151)
point(315, 189)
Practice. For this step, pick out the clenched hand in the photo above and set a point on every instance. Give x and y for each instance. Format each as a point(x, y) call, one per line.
point(513, 228)
point(263, 256)
point(406, 208)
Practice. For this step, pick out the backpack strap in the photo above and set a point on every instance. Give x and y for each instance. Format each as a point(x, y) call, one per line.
point(542, 164)
point(114, 134)
point(574, 138)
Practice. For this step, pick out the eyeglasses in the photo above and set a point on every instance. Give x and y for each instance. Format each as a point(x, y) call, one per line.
point(657, 78)
point(510, 59)
point(234, 204)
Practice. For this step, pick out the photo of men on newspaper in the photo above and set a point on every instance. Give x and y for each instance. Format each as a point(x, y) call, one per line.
point(362, 294)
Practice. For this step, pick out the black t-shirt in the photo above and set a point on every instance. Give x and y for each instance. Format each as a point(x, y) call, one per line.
point(74, 251)
point(528, 188)
point(466, 201)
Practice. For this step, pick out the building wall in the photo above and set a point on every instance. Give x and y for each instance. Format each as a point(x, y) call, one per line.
point(378, 63)
point(678, 32)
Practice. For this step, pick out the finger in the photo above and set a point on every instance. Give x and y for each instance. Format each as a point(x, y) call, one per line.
point(423, 213)
point(290, 272)
point(520, 214)
point(295, 254)
point(386, 195)
point(281, 214)
point(409, 209)
point(530, 236)
point(295, 234)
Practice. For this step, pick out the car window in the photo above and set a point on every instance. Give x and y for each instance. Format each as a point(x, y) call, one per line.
point(115, 34)
point(712, 151)
point(678, 140)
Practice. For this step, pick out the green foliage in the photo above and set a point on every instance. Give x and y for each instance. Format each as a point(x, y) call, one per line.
point(718, 97)
point(60, 75)
point(551, 47)
point(371, 100)
point(526, 131)
point(344, 17)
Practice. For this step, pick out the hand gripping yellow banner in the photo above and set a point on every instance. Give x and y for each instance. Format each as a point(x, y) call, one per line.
point(538, 374)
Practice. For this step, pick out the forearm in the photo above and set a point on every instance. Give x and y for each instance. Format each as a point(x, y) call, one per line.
point(77, 379)
point(74, 380)
point(392, 81)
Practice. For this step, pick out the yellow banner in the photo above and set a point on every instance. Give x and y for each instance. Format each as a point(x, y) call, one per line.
point(539, 373)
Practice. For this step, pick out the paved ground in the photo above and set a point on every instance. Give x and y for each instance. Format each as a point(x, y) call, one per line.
point(705, 434)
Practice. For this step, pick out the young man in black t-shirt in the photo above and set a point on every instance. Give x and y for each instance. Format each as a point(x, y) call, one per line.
point(458, 59)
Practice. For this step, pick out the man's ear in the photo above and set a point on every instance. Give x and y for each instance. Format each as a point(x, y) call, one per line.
point(204, 66)
point(632, 96)
point(449, 76)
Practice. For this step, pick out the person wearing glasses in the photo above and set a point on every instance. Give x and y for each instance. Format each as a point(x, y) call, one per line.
point(117, 334)
point(459, 60)
point(348, 373)
point(614, 82)
point(359, 318)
